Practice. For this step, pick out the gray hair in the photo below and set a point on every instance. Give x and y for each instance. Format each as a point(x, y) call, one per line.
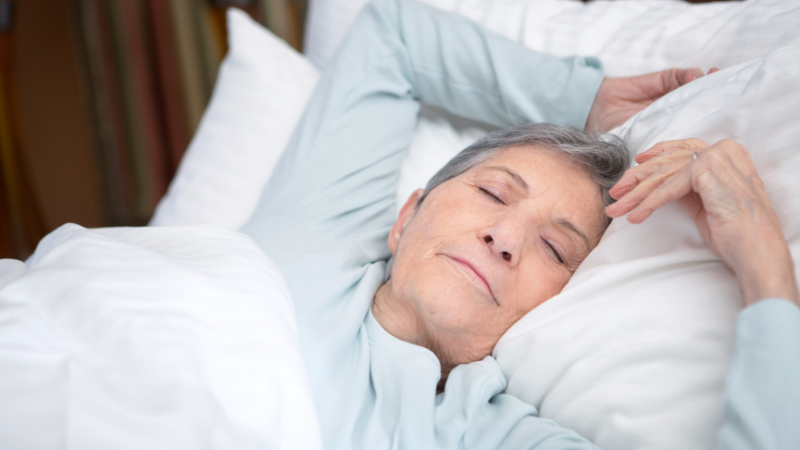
point(604, 156)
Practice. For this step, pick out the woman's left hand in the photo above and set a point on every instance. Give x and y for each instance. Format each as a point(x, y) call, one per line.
point(720, 189)
point(618, 99)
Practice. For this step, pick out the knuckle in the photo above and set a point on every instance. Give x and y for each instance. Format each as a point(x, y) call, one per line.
point(702, 181)
point(661, 187)
point(715, 155)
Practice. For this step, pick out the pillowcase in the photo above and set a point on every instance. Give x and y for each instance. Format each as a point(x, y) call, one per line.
point(261, 91)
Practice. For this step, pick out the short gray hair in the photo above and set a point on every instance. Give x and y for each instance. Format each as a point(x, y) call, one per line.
point(604, 156)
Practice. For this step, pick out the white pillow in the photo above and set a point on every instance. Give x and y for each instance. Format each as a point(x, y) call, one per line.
point(261, 91)
point(634, 37)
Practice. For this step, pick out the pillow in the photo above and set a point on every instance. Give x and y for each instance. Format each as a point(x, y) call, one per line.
point(634, 37)
point(261, 91)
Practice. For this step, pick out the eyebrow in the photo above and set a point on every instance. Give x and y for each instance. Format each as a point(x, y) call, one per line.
point(514, 176)
point(564, 223)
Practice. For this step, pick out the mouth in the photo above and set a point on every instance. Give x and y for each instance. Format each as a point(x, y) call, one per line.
point(475, 273)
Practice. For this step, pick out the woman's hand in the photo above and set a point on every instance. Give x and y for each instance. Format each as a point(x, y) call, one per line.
point(720, 189)
point(618, 99)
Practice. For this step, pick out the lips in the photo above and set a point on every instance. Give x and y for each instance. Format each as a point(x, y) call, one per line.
point(472, 270)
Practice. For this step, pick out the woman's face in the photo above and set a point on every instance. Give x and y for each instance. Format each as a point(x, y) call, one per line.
point(488, 246)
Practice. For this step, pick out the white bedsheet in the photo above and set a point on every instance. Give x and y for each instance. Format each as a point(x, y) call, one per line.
point(148, 338)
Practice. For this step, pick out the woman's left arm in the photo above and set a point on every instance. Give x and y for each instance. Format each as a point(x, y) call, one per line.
point(719, 187)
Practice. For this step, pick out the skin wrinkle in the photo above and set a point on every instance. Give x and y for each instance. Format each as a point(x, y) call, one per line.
point(570, 226)
point(514, 176)
point(433, 301)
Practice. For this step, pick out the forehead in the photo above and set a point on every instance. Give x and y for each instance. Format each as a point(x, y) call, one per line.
point(541, 167)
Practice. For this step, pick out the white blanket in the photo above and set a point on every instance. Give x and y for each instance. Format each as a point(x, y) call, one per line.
point(148, 338)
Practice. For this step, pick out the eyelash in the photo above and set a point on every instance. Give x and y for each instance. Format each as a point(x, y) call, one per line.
point(553, 249)
point(492, 196)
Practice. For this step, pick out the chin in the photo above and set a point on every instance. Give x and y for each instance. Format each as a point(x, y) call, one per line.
point(451, 309)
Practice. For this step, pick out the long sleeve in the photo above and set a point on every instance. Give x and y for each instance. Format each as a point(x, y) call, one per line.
point(762, 392)
point(340, 170)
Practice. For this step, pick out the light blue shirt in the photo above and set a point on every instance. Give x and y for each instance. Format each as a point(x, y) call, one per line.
point(326, 214)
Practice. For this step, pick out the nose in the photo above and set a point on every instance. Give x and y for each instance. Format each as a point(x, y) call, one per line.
point(506, 238)
point(504, 254)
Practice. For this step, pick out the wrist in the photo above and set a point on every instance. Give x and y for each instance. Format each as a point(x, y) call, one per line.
point(597, 111)
point(767, 271)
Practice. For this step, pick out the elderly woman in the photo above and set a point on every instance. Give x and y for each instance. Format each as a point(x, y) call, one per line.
point(398, 316)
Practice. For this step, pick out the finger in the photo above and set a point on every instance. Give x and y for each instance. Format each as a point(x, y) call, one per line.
point(674, 188)
point(712, 70)
point(633, 177)
point(689, 75)
point(672, 79)
point(666, 146)
point(657, 84)
point(636, 175)
point(630, 180)
point(656, 150)
point(632, 199)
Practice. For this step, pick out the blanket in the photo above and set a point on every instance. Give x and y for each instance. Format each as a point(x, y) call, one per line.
point(164, 337)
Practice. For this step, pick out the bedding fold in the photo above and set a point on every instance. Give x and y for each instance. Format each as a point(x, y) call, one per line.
point(165, 337)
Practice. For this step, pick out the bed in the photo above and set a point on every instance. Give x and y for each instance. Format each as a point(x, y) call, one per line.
point(182, 334)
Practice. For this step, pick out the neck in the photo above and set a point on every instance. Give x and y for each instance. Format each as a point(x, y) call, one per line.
point(402, 320)
point(398, 318)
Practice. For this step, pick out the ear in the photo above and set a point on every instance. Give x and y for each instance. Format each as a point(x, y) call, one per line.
point(406, 213)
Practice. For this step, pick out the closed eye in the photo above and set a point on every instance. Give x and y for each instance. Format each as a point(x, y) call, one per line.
point(553, 249)
point(490, 195)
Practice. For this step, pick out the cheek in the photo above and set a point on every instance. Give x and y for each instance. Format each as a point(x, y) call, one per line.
point(451, 212)
point(440, 296)
point(536, 283)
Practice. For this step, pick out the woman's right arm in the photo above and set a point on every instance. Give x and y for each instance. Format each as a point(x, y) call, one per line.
point(719, 187)
point(762, 391)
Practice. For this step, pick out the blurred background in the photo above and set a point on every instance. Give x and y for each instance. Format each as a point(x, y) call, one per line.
point(98, 102)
